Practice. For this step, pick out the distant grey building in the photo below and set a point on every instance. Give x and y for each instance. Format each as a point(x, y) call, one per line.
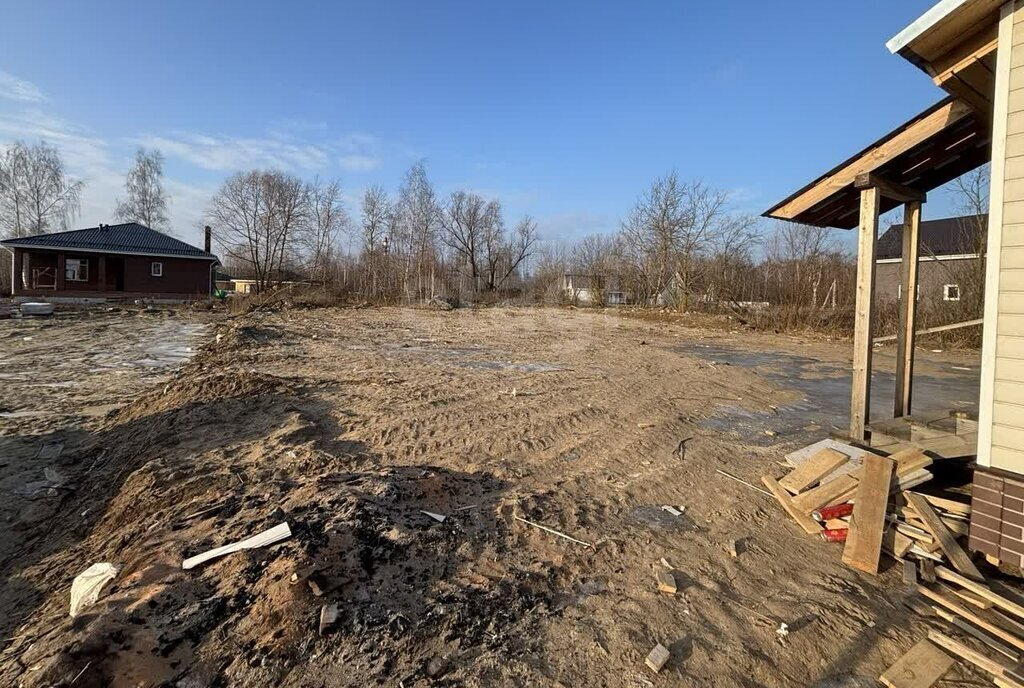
point(949, 248)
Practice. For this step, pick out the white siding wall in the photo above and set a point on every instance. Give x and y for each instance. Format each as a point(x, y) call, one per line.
point(1001, 410)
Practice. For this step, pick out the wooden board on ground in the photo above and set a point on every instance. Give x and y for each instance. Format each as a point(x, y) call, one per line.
point(934, 525)
point(826, 493)
point(814, 469)
point(999, 670)
point(921, 667)
point(867, 523)
point(856, 455)
point(810, 526)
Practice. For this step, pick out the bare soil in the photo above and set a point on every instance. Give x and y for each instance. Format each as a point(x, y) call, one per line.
point(348, 424)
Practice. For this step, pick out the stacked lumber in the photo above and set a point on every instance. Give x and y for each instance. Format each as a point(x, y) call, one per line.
point(874, 510)
point(983, 628)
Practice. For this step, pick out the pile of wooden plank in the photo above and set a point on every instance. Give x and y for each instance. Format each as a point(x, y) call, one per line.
point(979, 626)
point(868, 502)
point(869, 505)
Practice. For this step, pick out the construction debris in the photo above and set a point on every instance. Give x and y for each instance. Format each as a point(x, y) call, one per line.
point(267, 537)
point(657, 658)
point(554, 532)
point(666, 582)
point(922, 666)
point(88, 585)
point(437, 517)
point(328, 615)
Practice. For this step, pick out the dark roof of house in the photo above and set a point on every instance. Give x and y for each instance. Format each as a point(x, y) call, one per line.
point(946, 237)
point(130, 237)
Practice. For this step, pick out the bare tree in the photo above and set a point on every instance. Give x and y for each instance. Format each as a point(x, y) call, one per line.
point(463, 224)
point(505, 252)
point(259, 213)
point(668, 231)
point(36, 195)
point(325, 219)
point(418, 216)
point(146, 201)
point(377, 218)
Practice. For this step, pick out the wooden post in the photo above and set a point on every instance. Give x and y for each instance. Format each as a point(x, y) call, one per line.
point(60, 271)
point(101, 273)
point(908, 309)
point(18, 272)
point(860, 395)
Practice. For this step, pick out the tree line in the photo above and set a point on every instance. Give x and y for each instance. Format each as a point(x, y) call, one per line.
point(680, 245)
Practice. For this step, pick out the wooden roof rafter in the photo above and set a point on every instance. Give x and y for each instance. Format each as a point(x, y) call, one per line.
point(945, 141)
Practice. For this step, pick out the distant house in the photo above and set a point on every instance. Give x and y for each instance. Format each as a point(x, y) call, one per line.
point(109, 262)
point(583, 289)
point(949, 247)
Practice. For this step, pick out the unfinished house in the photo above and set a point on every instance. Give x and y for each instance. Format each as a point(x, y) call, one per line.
point(110, 262)
point(974, 51)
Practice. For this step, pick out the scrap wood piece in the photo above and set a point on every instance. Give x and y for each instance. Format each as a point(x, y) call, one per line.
point(328, 615)
point(810, 526)
point(950, 505)
point(920, 667)
point(896, 543)
point(867, 524)
point(554, 532)
point(998, 669)
point(967, 614)
point(909, 572)
point(926, 567)
point(812, 471)
point(934, 525)
point(981, 635)
point(666, 582)
point(657, 658)
point(826, 493)
point(966, 595)
point(264, 539)
point(952, 576)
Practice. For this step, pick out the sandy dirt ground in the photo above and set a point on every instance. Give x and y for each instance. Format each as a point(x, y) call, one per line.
point(348, 424)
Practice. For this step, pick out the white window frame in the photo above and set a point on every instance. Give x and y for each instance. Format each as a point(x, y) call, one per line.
point(945, 292)
point(80, 270)
point(156, 269)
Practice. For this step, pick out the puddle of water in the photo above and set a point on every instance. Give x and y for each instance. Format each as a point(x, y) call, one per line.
point(825, 387)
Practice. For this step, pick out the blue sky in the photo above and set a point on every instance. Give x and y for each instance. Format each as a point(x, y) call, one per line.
point(565, 110)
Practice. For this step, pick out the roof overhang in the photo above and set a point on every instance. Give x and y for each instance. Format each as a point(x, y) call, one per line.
point(945, 141)
point(12, 244)
point(955, 43)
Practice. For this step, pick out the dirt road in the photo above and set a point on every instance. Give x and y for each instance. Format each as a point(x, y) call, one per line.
point(348, 424)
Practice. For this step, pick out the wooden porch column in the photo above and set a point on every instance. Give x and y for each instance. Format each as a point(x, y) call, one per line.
point(908, 309)
point(101, 273)
point(860, 397)
point(60, 271)
point(18, 272)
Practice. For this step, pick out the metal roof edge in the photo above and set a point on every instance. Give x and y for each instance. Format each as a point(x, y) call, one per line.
point(926, 21)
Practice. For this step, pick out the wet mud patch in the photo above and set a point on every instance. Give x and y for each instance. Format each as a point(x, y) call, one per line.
point(824, 394)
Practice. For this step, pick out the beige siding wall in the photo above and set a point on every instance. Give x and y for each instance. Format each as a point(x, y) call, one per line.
point(1001, 431)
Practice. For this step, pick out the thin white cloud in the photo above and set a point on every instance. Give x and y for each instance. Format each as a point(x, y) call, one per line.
point(225, 154)
point(359, 163)
point(13, 88)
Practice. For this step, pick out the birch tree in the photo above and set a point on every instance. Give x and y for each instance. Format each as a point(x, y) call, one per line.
point(36, 194)
point(146, 201)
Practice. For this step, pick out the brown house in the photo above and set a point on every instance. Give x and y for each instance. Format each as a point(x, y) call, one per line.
point(110, 261)
point(949, 251)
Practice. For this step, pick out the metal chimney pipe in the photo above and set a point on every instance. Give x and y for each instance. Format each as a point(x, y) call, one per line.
point(208, 237)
